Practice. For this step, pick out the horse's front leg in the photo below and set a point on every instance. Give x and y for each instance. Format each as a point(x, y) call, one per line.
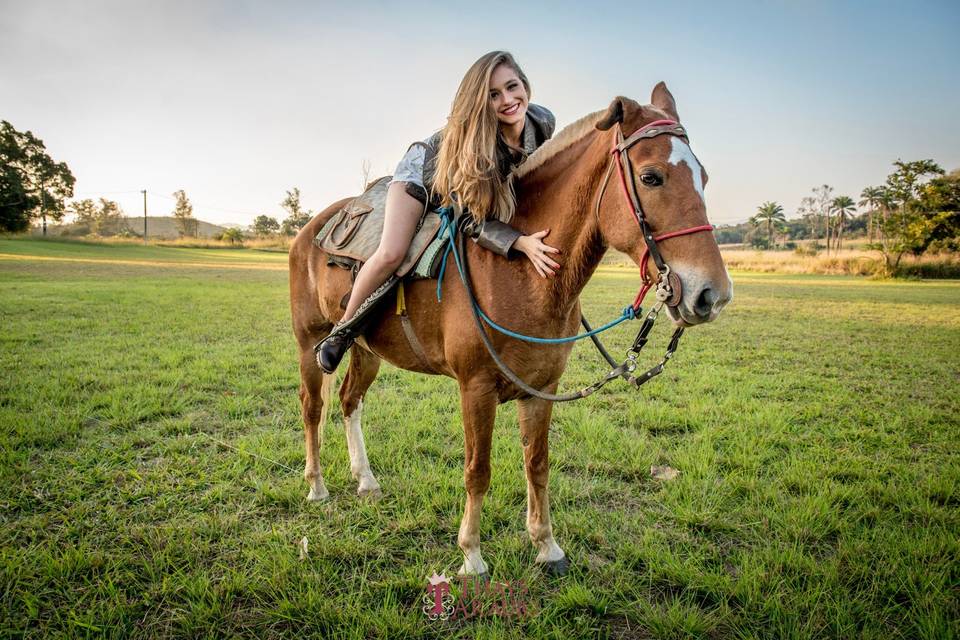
point(534, 427)
point(478, 404)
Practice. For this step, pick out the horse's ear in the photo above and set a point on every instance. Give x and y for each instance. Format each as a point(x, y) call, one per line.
point(613, 115)
point(662, 99)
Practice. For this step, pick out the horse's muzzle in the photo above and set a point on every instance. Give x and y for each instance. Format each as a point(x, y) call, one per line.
point(703, 298)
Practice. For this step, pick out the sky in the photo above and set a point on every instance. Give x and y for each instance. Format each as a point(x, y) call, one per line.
point(237, 102)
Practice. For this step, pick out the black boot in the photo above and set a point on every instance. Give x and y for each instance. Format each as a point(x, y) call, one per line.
point(331, 351)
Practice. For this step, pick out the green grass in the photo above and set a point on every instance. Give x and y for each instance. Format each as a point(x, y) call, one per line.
point(815, 427)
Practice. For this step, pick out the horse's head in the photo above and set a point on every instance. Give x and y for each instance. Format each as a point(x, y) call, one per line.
point(660, 182)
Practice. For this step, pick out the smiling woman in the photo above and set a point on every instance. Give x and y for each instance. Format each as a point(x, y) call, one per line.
point(492, 128)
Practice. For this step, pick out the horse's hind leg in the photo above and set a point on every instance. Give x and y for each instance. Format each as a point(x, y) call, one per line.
point(360, 374)
point(314, 401)
point(534, 427)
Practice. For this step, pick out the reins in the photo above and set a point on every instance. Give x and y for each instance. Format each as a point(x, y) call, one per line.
point(668, 284)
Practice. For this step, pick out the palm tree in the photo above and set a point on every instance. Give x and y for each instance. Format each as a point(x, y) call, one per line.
point(874, 198)
point(769, 213)
point(842, 206)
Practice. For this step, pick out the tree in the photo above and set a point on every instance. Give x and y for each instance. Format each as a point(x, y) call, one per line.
point(233, 236)
point(32, 184)
point(105, 218)
point(183, 212)
point(110, 218)
point(729, 233)
point(841, 206)
point(940, 202)
point(822, 197)
point(875, 199)
point(298, 217)
point(84, 211)
point(914, 221)
point(809, 213)
point(769, 214)
point(265, 225)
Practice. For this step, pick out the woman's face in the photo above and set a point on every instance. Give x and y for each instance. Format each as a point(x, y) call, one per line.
point(508, 97)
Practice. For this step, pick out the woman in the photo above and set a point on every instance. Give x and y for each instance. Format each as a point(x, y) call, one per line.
point(492, 127)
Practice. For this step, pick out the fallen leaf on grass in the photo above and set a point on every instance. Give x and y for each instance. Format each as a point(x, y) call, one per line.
point(663, 473)
point(303, 548)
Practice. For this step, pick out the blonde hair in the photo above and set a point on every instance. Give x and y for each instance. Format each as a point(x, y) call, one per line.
point(467, 160)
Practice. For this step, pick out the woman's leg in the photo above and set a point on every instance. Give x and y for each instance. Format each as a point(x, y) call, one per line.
point(399, 225)
point(402, 212)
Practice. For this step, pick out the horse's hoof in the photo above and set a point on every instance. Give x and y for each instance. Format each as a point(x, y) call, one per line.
point(557, 567)
point(373, 493)
point(318, 496)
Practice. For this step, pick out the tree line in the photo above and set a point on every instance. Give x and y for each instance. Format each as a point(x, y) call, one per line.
point(36, 188)
point(915, 210)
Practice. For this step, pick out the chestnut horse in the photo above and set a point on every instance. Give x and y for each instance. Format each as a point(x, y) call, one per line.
point(561, 187)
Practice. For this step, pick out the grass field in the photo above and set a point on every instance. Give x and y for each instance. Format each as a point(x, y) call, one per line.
point(814, 425)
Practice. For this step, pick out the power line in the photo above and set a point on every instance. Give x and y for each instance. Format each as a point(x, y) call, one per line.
point(166, 197)
point(103, 193)
point(208, 206)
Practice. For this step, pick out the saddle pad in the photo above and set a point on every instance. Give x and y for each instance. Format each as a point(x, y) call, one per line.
point(428, 266)
point(354, 231)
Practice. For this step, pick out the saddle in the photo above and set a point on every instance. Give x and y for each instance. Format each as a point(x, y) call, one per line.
point(352, 235)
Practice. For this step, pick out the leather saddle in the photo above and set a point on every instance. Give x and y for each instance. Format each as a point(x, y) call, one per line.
point(353, 234)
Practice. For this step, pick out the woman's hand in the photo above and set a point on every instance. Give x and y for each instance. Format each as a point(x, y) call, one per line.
point(537, 251)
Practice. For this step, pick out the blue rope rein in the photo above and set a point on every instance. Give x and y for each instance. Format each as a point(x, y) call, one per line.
point(449, 228)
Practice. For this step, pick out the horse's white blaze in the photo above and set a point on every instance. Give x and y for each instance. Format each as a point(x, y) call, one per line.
point(359, 465)
point(683, 153)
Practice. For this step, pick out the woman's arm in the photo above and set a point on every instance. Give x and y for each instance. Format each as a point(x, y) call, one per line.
point(500, 238)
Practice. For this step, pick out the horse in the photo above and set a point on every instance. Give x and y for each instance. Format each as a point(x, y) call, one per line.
point(561, 187)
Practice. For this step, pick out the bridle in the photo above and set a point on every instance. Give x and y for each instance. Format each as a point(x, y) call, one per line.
point(667, 283)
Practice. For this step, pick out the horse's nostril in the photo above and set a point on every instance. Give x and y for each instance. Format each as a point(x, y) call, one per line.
point(705, 301)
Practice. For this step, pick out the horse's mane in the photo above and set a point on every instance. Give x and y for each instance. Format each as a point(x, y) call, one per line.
point(569, 135)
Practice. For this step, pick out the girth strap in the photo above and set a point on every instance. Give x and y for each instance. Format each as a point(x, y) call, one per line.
point(415, 345)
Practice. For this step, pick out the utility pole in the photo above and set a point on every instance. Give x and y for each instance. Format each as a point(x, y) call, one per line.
point(144, 192)
point(43, 212)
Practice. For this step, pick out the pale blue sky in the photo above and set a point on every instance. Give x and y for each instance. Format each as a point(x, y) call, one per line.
point(235, 102)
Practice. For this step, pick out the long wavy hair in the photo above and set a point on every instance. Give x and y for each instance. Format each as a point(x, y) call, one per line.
point(467, 160)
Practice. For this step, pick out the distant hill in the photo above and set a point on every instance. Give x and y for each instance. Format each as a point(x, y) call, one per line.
point(160, 227)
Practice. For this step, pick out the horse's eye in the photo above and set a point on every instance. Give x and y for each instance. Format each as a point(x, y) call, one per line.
point(651, 179)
